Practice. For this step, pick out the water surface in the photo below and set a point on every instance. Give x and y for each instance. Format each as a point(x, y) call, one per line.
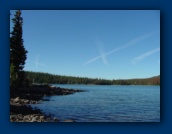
point(106, 104)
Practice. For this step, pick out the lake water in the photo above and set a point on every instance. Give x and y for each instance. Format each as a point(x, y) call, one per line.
point(108, 103)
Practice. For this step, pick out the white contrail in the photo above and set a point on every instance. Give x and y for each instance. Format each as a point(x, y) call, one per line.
point(38, 63)
point(102, 54)
point(141, 57)
point(130, 43)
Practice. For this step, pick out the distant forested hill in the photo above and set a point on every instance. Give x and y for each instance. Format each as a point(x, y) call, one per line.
point(146, 81)
point(38, 77)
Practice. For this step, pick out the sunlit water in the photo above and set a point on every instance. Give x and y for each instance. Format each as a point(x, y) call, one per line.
point(106, 104)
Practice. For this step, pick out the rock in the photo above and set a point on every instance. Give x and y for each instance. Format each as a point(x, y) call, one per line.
point(26, 118)
point(56, 120)
point(26, 101)
point(20, 117)
point(12, 118)
point(33, 102)
point(34, 119)
point(20, 99)
point(29, 118)
point(16, 100)
point(68, 120)
point(42, 118)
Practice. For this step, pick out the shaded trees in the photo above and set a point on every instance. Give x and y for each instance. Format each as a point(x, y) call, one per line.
point(17, 52)
point(59, 79)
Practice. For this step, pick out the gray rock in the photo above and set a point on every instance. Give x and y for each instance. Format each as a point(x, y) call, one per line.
point(68, 120)
point(20, 117)
point(42, 118)
point(29, 118)
point(26, 118)
point(26, 101)
point(34, 119)
point(16, 100)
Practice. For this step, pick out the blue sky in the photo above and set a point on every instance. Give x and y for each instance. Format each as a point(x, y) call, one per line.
point(110, 44)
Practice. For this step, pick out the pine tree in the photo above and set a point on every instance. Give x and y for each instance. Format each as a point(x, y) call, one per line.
point(17, 51)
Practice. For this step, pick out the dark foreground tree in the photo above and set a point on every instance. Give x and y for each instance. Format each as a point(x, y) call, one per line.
point(17, 52)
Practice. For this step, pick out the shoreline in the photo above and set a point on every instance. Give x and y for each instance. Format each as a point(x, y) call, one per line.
point(21, 98)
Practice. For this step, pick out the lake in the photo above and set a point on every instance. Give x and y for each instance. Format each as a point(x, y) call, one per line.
point(107, 103)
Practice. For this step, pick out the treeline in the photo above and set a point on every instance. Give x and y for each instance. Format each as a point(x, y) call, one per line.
point(46, 78)
point(147, 81)
point(38, 77)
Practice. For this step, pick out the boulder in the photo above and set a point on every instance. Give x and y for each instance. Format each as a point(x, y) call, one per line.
point(16, 100)
point(26, 118)
point(34, 119)
point(20, 117)
point(42, 118)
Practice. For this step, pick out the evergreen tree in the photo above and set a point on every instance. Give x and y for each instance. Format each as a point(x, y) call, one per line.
point(13, 77)
point(17, 51)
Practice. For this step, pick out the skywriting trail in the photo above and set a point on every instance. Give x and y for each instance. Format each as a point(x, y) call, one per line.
point(130, 43)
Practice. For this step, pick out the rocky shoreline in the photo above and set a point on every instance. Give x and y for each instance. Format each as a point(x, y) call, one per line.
point(21, 98)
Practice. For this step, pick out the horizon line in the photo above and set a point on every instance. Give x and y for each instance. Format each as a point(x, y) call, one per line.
point(94, 77)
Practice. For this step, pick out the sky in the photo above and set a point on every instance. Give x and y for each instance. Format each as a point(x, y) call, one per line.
point(109, 44)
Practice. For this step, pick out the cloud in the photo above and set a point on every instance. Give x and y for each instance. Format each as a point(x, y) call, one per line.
point(130, 43)
point(143, 56)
